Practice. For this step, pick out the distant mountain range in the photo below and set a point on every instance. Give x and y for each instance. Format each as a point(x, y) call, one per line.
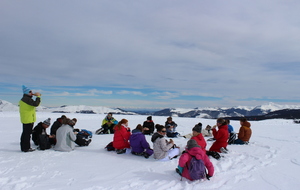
point(266, 111)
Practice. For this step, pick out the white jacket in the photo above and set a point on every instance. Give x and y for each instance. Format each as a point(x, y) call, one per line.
point(65, 138)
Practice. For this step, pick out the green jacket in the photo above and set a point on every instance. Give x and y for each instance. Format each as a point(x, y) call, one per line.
point(27, 109)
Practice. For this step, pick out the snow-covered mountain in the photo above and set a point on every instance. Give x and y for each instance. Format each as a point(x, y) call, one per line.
point(208, 112)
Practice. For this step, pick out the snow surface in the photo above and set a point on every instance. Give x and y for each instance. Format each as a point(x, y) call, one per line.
point(270, 161)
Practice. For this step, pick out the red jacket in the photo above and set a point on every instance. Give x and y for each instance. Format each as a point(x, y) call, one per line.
point(185, 160)
point(200, 141)
point(121, 137)
point(221, 137)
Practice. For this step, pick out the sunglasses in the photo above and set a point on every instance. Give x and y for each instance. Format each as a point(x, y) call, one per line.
point(163, 131)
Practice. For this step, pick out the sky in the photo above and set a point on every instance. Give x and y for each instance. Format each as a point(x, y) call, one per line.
point(151, 54)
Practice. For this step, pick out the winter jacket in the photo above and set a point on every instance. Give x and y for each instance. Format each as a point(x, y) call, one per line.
point(27, 108)
point(221, 137)
point(121, 137)
point(245, 132)
point(138, 142)
point(230, 129)
point(65, 138)
point(149, 125)
point(38, 130)
point(200, 141)
point(160, 146)
point(167, 125)
point(106, 120)
point(185, 159)
point(55, 126)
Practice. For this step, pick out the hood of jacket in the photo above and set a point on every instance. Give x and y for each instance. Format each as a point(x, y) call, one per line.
point(195, 151)
point(246, 124)
point(156, 136)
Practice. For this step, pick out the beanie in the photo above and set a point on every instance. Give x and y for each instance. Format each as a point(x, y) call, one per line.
point(191, 144)
point(149, 118)
point(47, 121)
point(198, 128)
point(25, 89)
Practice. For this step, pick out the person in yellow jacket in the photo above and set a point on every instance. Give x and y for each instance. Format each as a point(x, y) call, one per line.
point(27, 115)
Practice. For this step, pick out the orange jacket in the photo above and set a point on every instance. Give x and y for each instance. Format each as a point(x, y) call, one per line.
point(245, 132)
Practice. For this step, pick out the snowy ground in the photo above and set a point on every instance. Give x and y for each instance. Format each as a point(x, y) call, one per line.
point(270, 161)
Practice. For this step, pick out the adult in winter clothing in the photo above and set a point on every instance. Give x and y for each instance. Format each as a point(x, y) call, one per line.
point(198, 137)
point(138, 143)
point(121, 136)
point(57, 124)
point(245, 132)
point(170, 125)
point(232, 134)
point(221, 136)
point(193, 149)
point(108, 124)
point(163, 150)
point(65, 136)
point(148, 126)
point(28, 116)
point(40, 136)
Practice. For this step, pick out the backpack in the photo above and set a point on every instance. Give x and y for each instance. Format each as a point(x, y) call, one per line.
point(232, 137)
point(43, 142)
point(197, 169)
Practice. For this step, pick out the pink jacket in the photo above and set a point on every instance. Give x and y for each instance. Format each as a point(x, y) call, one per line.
point(200, 141)
point(185, 160)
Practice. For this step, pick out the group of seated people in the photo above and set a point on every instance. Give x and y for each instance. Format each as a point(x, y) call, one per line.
point(125, 141)
point(62, 136)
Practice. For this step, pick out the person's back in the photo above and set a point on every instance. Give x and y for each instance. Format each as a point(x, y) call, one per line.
point(245, 131)
point(193, 150)
point(65, 138)
point(138, 142)
point(121, 135)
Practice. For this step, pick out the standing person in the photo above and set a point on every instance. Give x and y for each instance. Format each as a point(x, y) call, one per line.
point(57, 124)
point(108, 124)
point(28, 116)
point(221, 136)
point(138, 143)
point(194, 150)
point(40, 136)
point(148, 126)
point(65, 136)
point(163, 150)
point(245, 132)
point(121, 136)
point(198, 137)
point(171, 128)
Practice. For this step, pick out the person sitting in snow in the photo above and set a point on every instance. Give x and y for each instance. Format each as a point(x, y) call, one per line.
point(40, 136)
point(121, 137)
point(108, 124)
point(57, 124)
point(221, 136)
point(245, 132)
point(198, 137)
point(170, 125)
point(207, 131)
point(65, 136)
point(193, 150)
point(232, 134)
point(163, 150)
point(139, 144)
point(148, 126)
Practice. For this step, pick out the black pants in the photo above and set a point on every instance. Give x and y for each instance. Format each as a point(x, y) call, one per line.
point(25, 137)
point(108, 128)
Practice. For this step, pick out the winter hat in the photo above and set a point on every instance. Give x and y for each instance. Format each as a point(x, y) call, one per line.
point(169, 118)
point(198, 128)
point(25, 89)
point(149, 118)
point(47, 121)
point(191, 144)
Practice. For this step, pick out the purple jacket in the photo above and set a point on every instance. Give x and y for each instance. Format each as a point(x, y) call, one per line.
point(138, 142)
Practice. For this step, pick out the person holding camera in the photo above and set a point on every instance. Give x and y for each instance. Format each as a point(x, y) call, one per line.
point(28, 116)
point(163, 149)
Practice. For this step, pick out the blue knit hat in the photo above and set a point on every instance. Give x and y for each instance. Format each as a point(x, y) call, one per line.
point(25, 89)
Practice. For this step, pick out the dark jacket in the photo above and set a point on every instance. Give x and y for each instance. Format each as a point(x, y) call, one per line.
point(38, 130)
point(57, 124)
point(149, 125)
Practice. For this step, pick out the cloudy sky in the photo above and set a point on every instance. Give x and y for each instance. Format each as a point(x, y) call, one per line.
point(151, 54)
